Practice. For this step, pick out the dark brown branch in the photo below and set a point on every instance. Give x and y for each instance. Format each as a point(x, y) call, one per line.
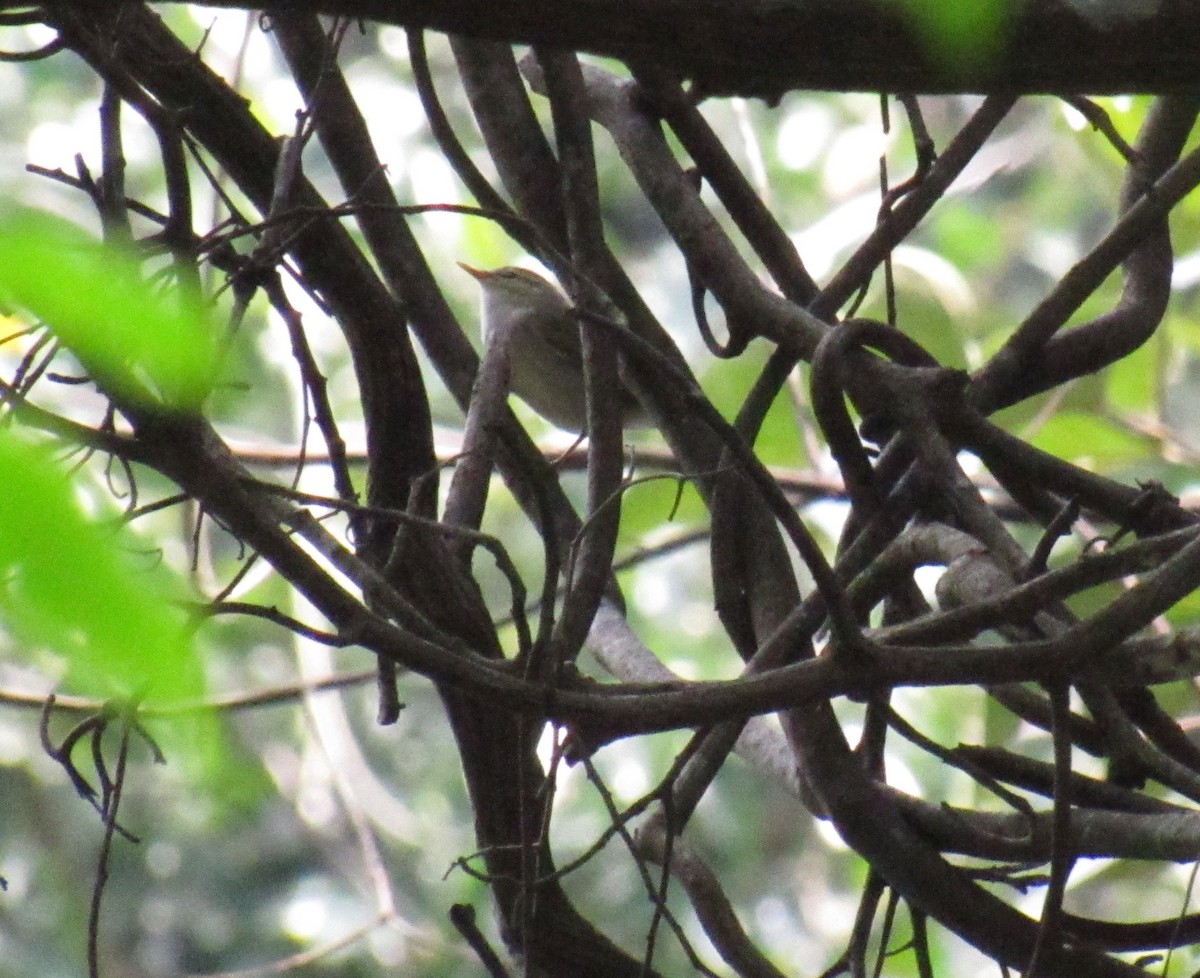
point(767, 47)
point(1040, 354)
point(593, 553)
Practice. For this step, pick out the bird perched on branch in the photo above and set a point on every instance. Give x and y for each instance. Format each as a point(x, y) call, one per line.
point(543, 346)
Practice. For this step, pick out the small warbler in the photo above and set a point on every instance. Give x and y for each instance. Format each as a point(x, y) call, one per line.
point(544, 350)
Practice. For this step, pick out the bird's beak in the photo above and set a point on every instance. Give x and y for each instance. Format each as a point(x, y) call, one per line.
point(476, 273)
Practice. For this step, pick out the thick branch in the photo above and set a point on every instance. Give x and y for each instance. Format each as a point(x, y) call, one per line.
point(768, 47)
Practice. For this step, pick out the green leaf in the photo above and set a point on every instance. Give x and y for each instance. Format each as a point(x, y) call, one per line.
point(138, 344)
point(84, 589)
point(963, 36)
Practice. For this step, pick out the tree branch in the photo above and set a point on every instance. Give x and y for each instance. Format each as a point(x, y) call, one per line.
point(768, 47)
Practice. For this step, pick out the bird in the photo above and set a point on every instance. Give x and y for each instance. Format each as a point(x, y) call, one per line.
point(544, 347)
